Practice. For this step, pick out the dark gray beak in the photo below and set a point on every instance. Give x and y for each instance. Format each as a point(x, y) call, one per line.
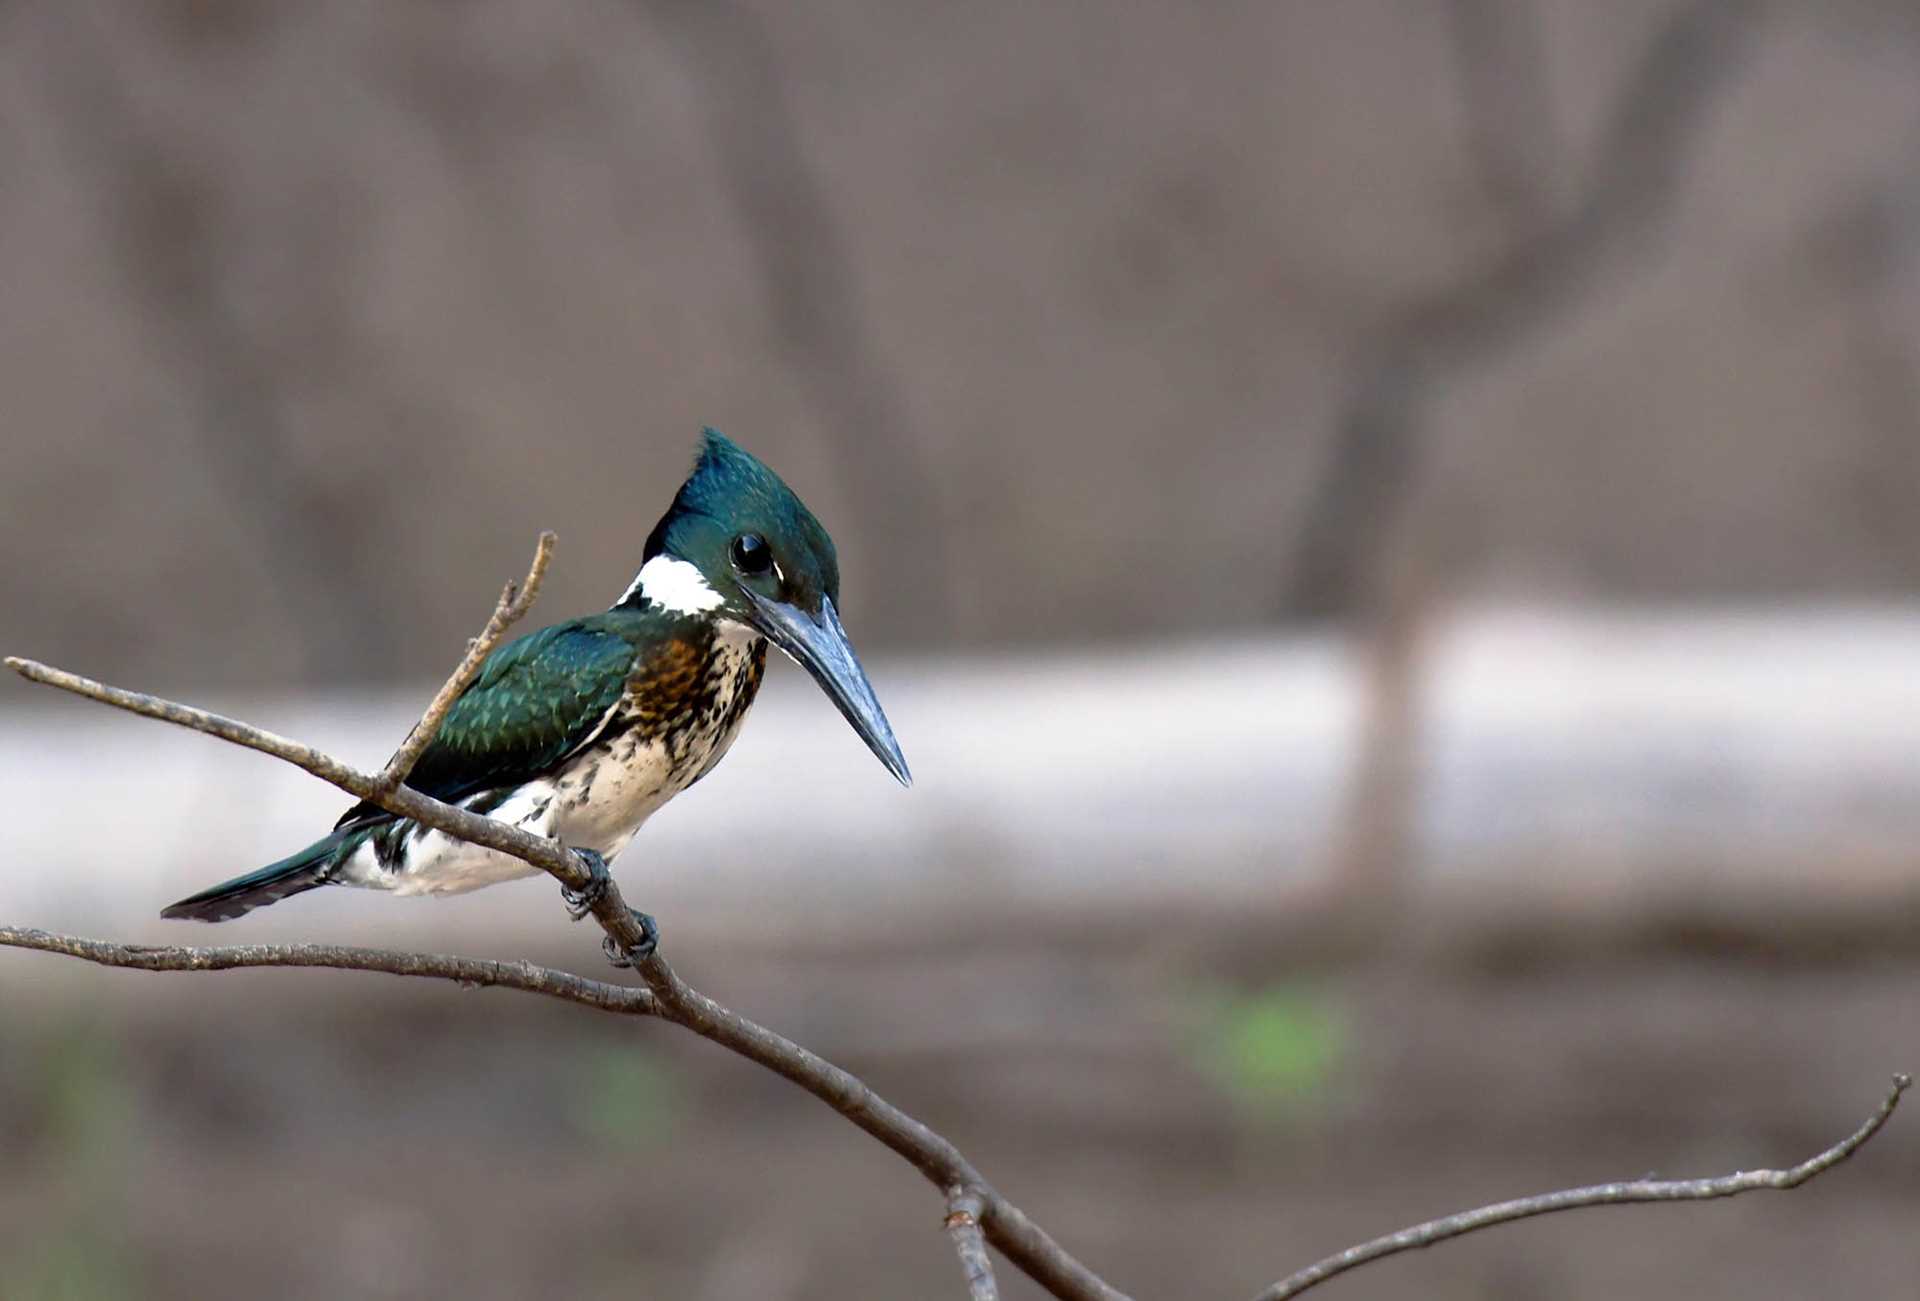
point(819, 645)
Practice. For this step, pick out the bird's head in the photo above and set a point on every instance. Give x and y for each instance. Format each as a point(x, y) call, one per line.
point(737, 546)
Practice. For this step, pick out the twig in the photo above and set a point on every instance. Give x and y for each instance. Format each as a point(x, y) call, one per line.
point(547, 855)
point(469, 972)
point(1024, 1243)
point(404, 801)
point(963, 1226)
point(1615, 1194)
point(515, 600)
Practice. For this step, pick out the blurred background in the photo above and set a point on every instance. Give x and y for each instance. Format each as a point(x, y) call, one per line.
point(1389, 532)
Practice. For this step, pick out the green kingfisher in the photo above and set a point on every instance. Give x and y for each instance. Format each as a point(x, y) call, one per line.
point(581, 730)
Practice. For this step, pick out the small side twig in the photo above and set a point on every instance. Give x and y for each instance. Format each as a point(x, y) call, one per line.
point(963, 1227)
point(1614, 1194)
point(515, 600)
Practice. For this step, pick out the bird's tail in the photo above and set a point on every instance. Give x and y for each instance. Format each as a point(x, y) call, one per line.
point(311, 867)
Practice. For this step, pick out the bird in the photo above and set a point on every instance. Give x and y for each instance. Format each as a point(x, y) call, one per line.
point(582, 730)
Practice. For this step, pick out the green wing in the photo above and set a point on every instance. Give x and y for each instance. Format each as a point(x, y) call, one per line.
point(537, 699)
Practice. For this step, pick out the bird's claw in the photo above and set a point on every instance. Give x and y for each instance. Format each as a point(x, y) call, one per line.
point(581, 902)
point(649, 943)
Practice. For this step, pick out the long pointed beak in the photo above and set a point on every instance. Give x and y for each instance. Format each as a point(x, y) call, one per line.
point(819, 645)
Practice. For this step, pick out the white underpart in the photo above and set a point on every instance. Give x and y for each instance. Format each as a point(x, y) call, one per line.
point(627, 786)
point(439, 864)
point(674, 585)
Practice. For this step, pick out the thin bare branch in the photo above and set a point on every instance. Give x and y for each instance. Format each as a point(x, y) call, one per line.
point(963, 1226)
point(545, 854)
point(1615, 1194)
point(1024, 1243)
point(468, 972)
point(323, 766)
point(515, 600)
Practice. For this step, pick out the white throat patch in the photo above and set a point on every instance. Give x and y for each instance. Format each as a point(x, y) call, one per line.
point(674, 585)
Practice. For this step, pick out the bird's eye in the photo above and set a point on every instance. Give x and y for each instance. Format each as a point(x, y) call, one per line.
point(751, 554)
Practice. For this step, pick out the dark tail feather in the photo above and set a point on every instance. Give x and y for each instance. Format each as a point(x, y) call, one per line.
point(311, 867)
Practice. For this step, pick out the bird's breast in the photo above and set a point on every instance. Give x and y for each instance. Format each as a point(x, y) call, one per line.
point(683, 707)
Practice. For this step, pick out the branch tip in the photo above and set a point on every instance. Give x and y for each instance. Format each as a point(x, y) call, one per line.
point(1615, 1194)
point(516, 598)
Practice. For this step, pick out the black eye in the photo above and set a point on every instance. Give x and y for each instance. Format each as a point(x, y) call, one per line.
point(751, 554)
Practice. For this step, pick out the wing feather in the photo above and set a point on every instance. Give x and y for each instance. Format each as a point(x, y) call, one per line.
point(536, 700)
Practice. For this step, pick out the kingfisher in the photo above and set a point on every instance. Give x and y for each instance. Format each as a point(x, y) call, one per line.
point(580, 731)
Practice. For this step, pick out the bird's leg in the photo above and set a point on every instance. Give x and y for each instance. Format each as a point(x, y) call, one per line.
point(649, 941)
point(580, 902)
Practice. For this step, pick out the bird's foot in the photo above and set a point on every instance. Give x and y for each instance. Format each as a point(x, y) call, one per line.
point(581, 902)
point(649, 942)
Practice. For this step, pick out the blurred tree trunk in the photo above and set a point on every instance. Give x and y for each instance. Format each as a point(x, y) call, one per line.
point(1373, 548)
